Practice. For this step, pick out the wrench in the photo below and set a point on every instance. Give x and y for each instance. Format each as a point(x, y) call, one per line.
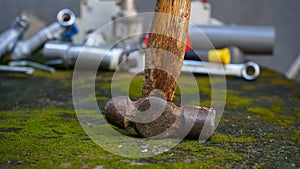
point(135, 63)
point(249, 70)
point(15, 69)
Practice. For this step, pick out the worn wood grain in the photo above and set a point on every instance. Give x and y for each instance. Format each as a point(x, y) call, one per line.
point(166, 46)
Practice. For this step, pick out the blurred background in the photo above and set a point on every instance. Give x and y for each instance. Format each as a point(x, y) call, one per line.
point(283, 15)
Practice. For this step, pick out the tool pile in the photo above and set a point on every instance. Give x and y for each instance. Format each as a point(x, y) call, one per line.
point(59, 51)
point(21, 50)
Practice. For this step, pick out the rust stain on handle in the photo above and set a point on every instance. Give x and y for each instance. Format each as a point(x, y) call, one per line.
point(166, 47)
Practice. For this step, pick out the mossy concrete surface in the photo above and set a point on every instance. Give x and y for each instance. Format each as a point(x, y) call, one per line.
point(260, 126)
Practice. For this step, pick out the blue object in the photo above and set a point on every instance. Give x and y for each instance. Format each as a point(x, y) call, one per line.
point(70, 31)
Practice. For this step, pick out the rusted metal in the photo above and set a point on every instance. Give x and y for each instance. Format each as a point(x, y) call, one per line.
point(171, 122)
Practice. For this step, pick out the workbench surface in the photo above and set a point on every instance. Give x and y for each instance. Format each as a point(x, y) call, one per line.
point(260, 127)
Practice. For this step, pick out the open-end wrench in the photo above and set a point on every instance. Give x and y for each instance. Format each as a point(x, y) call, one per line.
point(135, 63)
point(15, 69)
point(248, 70)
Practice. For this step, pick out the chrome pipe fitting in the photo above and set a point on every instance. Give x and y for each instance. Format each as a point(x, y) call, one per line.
point(24, 49)
point(68, 54)
point(9, 38)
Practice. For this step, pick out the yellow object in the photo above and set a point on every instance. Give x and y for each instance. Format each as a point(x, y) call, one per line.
point(219, 56)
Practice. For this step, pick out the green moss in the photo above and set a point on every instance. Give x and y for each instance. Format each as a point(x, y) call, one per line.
point(57, 75)
point(52, 137)
point(268, 73)
point(90, 98)
point(282, 82)
point(249, 87)
point(232, 98)
point(234, 101)
point(188, 85)
point(47, 138)
point(103, 86)
point(205, 156)
point(297, 113)
point(297, 97)
point(204, 86)
point(64, 76)
point(205, 103)
point(124, 83)
point(270, 115)
point(222, 138)
point(202, 103)
point(35, 136)
point(102, 98)
point(273, 136)
point(273, 99)
point(296, 137)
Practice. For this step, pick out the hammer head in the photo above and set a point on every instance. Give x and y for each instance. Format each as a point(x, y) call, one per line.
point(116, 111)
point(156, 118)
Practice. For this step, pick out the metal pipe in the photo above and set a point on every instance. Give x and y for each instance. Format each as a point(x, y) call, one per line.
point(24, 49)
point(9, 38)
point(250, 39)
point(127, 7)
point(127, 22)
point(32, 64)
point(15, 69)
point(69, 54)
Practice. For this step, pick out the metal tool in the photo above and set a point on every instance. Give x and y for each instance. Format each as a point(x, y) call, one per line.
point(135, 63)
point(66, 54)
point(15, 69)
point(9, 38)
point(23, 49)
point(249, 70)
point(32, 64)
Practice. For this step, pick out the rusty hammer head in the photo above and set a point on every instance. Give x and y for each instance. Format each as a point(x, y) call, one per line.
point(154, 115)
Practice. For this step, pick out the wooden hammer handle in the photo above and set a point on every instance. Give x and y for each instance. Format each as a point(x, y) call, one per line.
point(166, 47)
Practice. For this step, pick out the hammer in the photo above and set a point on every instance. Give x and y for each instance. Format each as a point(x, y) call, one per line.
point(154, 115)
